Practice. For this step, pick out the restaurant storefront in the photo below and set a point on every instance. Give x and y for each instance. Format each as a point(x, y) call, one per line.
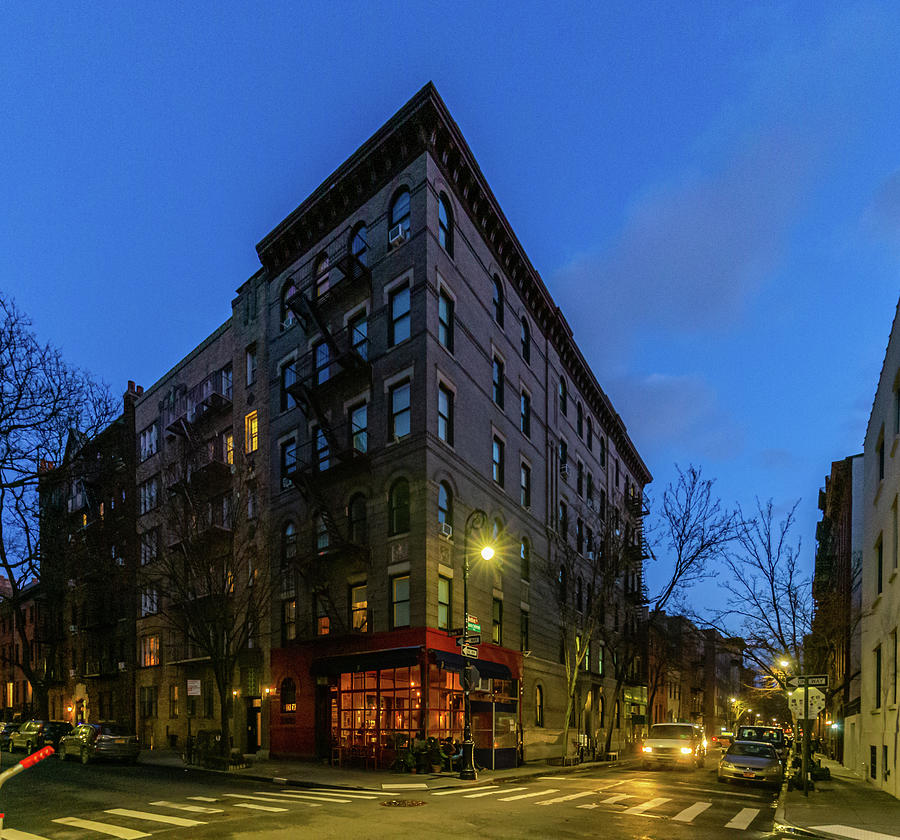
point(367, 704)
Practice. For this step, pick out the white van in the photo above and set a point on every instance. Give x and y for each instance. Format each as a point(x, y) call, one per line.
point(674, 744)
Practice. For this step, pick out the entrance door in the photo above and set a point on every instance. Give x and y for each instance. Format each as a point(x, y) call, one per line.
point(254, 709)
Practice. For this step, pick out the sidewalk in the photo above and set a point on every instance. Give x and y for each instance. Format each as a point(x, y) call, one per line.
point(316, 774)
point(843, 807)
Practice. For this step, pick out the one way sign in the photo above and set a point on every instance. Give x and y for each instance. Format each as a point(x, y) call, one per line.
point(820, 680)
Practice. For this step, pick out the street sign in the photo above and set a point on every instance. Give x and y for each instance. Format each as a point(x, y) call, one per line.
point(472, 624)
point(468, 640)
point(193, 688)
point(457, 631)
point(469, 651)
point(801, 680)
point(815, 701)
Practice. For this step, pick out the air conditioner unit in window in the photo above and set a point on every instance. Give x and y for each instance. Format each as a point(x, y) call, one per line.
point(590, 555)
point(286, 483)
point(73, 628)
point(396, 235)
point(121, 666)
point(564, 469)
point(592, 504)
point(446, 529)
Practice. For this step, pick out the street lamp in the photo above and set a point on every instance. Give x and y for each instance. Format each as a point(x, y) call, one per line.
point(477, 519)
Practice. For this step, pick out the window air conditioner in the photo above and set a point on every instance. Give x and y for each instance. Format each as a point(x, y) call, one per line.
point(590, 555)
point(396, 235)
point(73, 628)
point(286, 483)
point(564, 469)
point(446, 529)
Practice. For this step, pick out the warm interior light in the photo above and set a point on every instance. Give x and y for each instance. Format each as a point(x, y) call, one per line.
point(487, 552)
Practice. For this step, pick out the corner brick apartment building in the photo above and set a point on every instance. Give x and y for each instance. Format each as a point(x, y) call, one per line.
point(401, 388)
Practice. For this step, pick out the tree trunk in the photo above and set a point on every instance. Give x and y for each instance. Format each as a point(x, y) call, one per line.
point(620, 681)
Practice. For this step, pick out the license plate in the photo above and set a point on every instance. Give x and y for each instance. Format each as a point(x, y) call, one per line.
point(749, 775)
point(119, 741)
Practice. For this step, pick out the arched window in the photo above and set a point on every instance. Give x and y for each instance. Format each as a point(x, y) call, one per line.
point(600, 704)
point(288, 318)
point(602, 451)
point(526, 341)
point(359, 245)
point(498, 300)
point(525, 559)
point(538, 705)
point(322, 274)
point(445, 504)
point(579, 420)
point(445, 224)
point(590, 434)
point(288, 543)
point(563, 396)
point(496, 530)
point(400, 212)
point(563, 585)
point(579, 594)
point(288, 694)
point(356, 519)
point(398, 507)
point(322, 536)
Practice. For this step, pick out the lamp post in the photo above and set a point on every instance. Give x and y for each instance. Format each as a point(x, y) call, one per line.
point(477, 518)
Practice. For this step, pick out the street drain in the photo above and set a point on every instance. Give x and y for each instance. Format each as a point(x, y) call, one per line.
point(402, 803)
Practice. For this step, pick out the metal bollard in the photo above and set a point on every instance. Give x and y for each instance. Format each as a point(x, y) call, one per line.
point(24, 764)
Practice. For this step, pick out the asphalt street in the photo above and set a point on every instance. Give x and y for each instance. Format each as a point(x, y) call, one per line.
point(67, 801)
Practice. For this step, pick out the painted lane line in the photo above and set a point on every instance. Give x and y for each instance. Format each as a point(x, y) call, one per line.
point(528, 795)
point(150, 817)
point(647, 806)
point(202, 798)
point(254, 807)
point(719, 790)
point(334, 792)
point(854, 833)
point(101, 828)
point(271, 798)
point(688, 814)
point(591, 806)
point(580, 795)
point(463, 790)
point(556, 778)
point(197, 809)
point(492, 792)
point(743, 818)
point(416, 786)
point(611, 800)
point(300, 796)
point(15, 834)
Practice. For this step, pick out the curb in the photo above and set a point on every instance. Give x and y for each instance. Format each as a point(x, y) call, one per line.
point(781, 824)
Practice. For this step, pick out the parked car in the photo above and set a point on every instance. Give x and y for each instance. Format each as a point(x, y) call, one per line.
point(751, 761)
point(89, 741)
point(6, 730)
point(34, 734)
point(674, 743)
point(773, 735)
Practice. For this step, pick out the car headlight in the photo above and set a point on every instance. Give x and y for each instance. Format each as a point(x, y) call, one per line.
point(726, 765)
point(647, 749)
point(686, 750)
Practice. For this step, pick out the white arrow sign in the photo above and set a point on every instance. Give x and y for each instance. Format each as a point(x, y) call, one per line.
point(816, 702)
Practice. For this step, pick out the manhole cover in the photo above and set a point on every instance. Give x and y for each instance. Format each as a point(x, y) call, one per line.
point(402, 803)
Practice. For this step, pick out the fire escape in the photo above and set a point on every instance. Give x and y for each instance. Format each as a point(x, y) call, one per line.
point(337, 367)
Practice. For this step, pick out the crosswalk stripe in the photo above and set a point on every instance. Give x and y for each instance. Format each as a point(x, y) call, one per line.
point(743, 818)
point(253, 806)
point(492, 792)
point(414, 786)
point(731, 793)
point(260, 798)
point(197, 809)
point(688, 814)
point(15, 834)
point(203, 798)
point(580, 795)
point(528, 795)
point(315, 797)
point(150, 817)
point(462, 790)
point(101, 828)
point(616, 797)
point(333, 792)
point(646, 806)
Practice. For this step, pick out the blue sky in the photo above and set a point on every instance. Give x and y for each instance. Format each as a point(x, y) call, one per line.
point(711, 191)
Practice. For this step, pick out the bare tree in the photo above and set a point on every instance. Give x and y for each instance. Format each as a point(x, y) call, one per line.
point(42, 400)
point(210, 584)
point(601, 593)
